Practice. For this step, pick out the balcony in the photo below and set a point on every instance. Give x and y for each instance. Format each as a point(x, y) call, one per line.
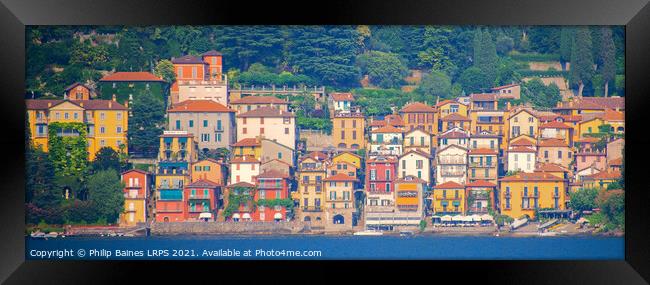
point(452, 173)
point(42, 120)
point(311, 209)
point(451, 161)
point(484, 164)
point(218, 129)
point(477, 210)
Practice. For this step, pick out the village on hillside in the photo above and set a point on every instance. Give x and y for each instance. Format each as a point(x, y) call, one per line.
point(236, 159)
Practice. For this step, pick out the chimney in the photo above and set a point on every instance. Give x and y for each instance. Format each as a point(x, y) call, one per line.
point(508, 106)
point(110, 104)
point(49, 104)
point(126, 103)
point(114, 98)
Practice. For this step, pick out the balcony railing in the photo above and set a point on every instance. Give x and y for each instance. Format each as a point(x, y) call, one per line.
point(311, 209)
point(451, 161)
point(484, 164)
point(41, 120)
point(218, 129)
point(452, 173)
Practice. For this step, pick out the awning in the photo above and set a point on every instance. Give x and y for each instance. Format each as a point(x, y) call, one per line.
point(457, 218)
point(445, 218)
point(487, 217)
point(246, 216)
point(277, 216)
point(235, 216)
point(205, 216)
point(476, 218)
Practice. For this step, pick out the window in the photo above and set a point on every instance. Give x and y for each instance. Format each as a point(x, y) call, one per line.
point(205, 123)
point(102, 116)
point(219, 127)
point(387, 174)
point(546, 154)
point(119, 130)
point(261, 131)
point(194, 71)
point(279, 155)
point(180, 74)
point(76, 115)
point(218, 137)
point(354, 123)
point(342, 134)
point(387, 187)
point(66, 115)
point(178, 124)
point(244, 131)
point(102, 143)
point(373, 174)
point(119, 116)
point(354, 135)
point(419, 164)
point(102, 130)
point(286, 131)
point(530, 130)
point(191, 123)
point(262, 121)
point(559, 154)
point(244, 120)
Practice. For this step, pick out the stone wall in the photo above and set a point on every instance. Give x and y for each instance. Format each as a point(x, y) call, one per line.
point(316, 139)
point(201, 228)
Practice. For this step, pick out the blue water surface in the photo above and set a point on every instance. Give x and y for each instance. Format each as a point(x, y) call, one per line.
point(332, 247)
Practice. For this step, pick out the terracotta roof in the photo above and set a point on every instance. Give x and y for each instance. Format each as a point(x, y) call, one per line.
point(377, 123)
point(455, 117)
point(98, 104)
point(208, 159)
point(604, 175)
point(454, 134)
point(131, 76)
point(203, 183)
point(317, 155)
point(73, 85)
point(340, 177)
point(382, 159)
point(273, 173)
point(555, 125)
point(417, 151)
point(210, 106)
point(267, 112)
point(445, 102)
point(480, 183)
point(616, 161)
point(247, 142)
point(259, 100)
point(485, 134)
point(388, 129)
point(535, 176)
point(41, 104)
point(410, 179)
point(394, 120)
point(342, 96)
point(450, 146)
point(136, 170)
point(588, 140)
point(211, 52)
point(188, 59)
point(550, 167)
point(417, 107)
point(347, 152)
point(483, 151)
point(531, 112)
point(449, 185)
point(611, 115)
point(504, 86)
point(417, 130)
point(244, 159)
point(607, 102)
point(590, 153)
point(552, 143)
point(483, 97)
point(241, 184)
point(521, 149)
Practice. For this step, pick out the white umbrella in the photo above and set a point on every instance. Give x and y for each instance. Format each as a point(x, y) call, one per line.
point(446, 218)
point(457, 218)
point(487, 217)
point(476, 218)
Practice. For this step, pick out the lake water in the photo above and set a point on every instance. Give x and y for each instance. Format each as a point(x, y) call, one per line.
point(330, 247)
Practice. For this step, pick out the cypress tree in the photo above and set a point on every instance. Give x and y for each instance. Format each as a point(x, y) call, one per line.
point(566, 40)
point(607, 57)
point(582, 62)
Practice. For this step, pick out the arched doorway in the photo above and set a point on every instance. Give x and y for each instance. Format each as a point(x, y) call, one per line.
point(354, 146)
point(342, 145)
point(166, 219)
point(307, 219)
point(338, 219)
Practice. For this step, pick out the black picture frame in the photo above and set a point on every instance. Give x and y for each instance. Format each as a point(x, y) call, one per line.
point(633, 14)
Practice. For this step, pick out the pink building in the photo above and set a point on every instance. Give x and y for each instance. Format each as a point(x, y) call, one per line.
point(585, 159)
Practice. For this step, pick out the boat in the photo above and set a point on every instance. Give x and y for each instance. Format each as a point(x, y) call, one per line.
point(405, 233)
point(38, 234)
point(368, 233)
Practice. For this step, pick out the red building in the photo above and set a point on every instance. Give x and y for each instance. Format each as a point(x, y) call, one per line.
point(381, 172)
point(206, 67)
point(137, 184)
point(201, 200)
point(272, 186)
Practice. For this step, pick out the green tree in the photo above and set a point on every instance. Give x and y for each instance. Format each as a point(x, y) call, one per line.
point(383, 69)
point(583, 199)
point(437, 49)
point(105, 191)
point(607, 58)
point(540, 95)
point(485, 57)
point(106, 158)
point(566, 44)
point(165, 70)
point(39, 180)
point(473, 80)
point(435, 84)
point(582, 62)
point(145, 126)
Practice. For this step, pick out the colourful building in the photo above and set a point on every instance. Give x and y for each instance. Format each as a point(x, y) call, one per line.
point(178, 151)
point(449, 198)
point(339, 202)
point(106, 122)
point(312, 170)
point(346, 156)
point(348, 130)
point(386, 140)
point(211, 123)
point(244, 169)
point(269, 123)
point(454, 120)
point(601, 180)
point(522, 193)
point(555, 151)
point(418, 139)
point(381, 171)
point(77, 91)
point(480, 197)
point(341, 101)
point(249, 103)
point(247, 147)
point(210, 170)
point(201, 200)
point(137, 187)
point(523, 122)
point(125, 86)
point(418, 115)
point(483, 165)
point(272, 187)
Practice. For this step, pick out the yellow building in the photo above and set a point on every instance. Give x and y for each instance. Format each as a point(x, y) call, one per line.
point(601, 180)
point(449, 198)
point(589, 126)
point(106, 121)
point(616, 120)
point(521, 193)
point(339, 201)
point(312, 170)
point(210, 170)
point(247, 147)
point(349, 158)
point(522, 122)
point(136, 196)
point(348, 130)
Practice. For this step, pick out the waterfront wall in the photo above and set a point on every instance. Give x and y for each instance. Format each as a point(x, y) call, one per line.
point(201, 228)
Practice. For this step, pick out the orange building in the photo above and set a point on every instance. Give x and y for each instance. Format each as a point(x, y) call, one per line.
point(419, 115)
point(77, 91)
point(209, 170)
